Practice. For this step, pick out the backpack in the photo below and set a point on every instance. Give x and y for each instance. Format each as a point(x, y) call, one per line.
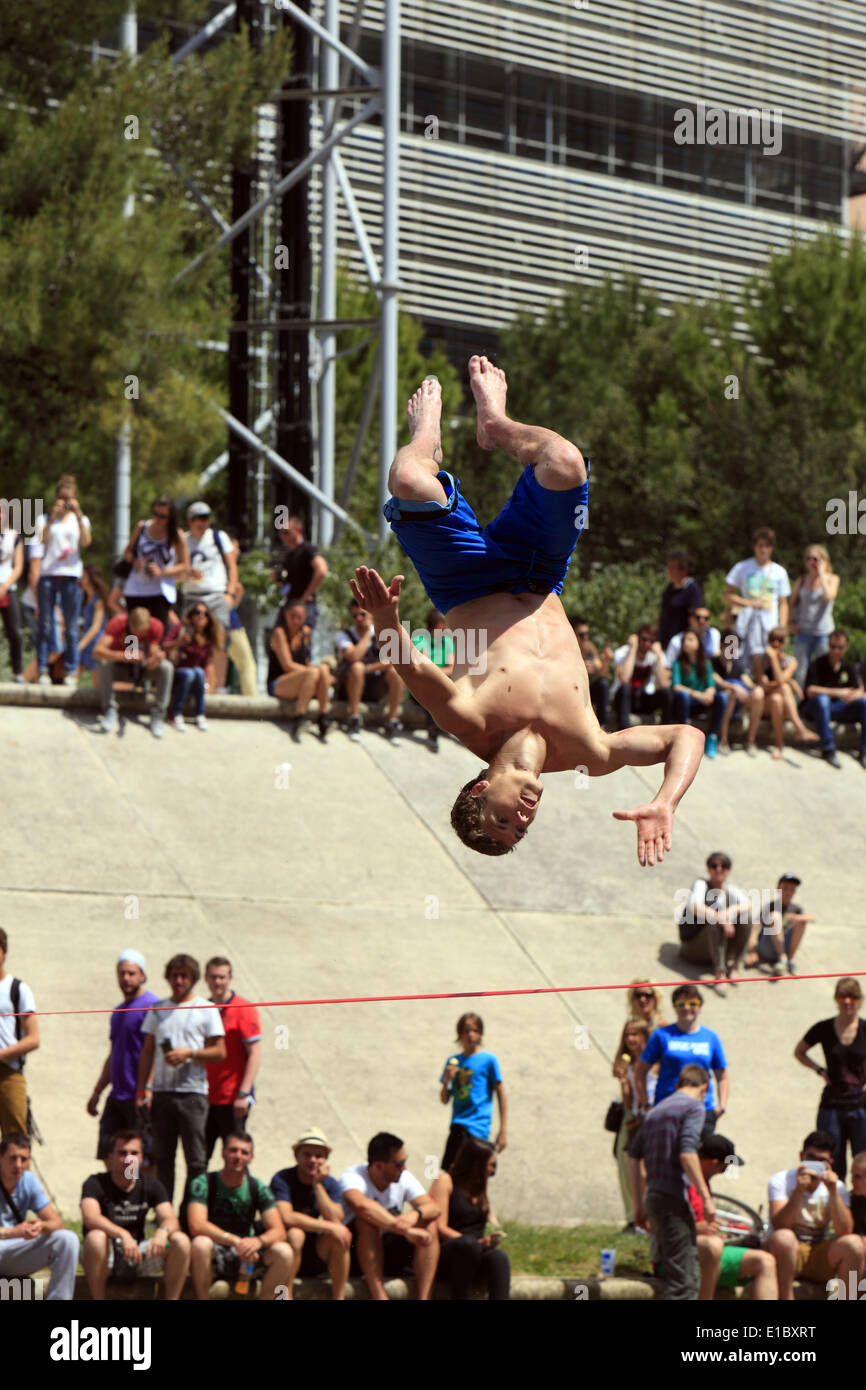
point(234, 620)
point(254, 1191)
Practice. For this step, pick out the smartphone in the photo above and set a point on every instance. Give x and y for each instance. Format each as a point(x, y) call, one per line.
point(167, 1046)
point(814, 1166)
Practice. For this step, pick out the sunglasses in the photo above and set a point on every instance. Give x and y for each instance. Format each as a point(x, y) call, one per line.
point(717, 864)
point(702, 617)
point(161, 516)
point(643, 994)
point(837, 646)
point(584, 632)
point(200, 613)
point(687, 1004)
point(850, 998)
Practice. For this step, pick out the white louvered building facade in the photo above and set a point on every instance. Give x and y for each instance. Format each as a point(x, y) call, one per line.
point(538, 145)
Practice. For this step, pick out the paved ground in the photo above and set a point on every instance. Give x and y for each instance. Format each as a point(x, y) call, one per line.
point(330, 887)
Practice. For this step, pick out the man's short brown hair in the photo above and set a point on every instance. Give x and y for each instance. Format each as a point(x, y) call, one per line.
point(467, 818)
point(4, 941)
point(183, 962)
point(693, 1075)
point(764, 533)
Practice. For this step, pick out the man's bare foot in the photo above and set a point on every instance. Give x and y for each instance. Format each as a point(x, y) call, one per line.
point(488, 387)
point(424, 409)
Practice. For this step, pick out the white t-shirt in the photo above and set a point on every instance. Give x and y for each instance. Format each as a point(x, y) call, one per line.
point(759, 581)
point(139, 584)
point(619, 657)
point(816, 1205)
point(712, 645)
point(26, 1004)
point(204, 556)
point(62, 553)
point(184, 1026)
point(8, 541)
point(392, 1198)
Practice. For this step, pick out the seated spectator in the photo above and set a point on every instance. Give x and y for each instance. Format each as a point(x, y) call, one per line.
point(733, 677)
point(308, 1200)
point(698, 623)
point(714, 921)
point(834, 691)
point(682, 595)
point(726, 1266)
point(842, 1108)
point(222, 1215)
point(178, 1041)
point(778, 942)
point(114, 1208)
point(130, 645)
point(804, 1203)
point(774, 670)
point(362, 676)
point(858, 1196)
point(158, 557)
point(441, 651)
point(121, 1065)
point(597, 668)
point(467, 1255)
point(673, 1045)
point(469, 1080)
point(30, 1243)
point(815, 592)
point(212, 579)
point(94, 616)
point(694, 685)
point(757, 592)
point(291, 676)
point(385, 1240)
point(19, 1034)
point(231, 1083)
point(192, 650)
point(642, 683)
point(635, 1037)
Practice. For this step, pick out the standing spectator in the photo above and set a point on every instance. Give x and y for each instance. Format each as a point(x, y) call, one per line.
point(361, 675)
point(11, 569)
point(597, 668)
point(698, 623)
point(193, 647)
point(18, 1036)
point(213, 580)
point(63, 533)
point(33, 551)
point(158, 554)
point(774, 670)
point(714, 921)
point(834, 690)
point(308, 1200)
point(94, 616)
point(29, 1244)
point(126, 1040)
point(726, 1266)
point(231, 1082)
point(222, 1221)
point(644, 1002)
point(467, 1255)
point(642, 682)
point(694, 683)
point(635, 1037)
point(681, 597)
point(673, 1045)
point(757, 592)
point(668, 1142)
point(804, 1202)
point(735, 679)
point(291, 676)
point(384, 1238)
point(470, 1080)
point(437, 644)
point(130, 645)
point(842, 1109)
point(778, 943)
point(815, 592)
point(114, 1208)
point(177, 1044)
point(300, 569)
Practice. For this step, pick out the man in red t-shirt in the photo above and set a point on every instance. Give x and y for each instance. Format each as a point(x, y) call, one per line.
point(132, 642)
point(230, 1083)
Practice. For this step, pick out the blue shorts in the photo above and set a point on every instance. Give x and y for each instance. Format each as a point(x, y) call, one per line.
point(526, 549)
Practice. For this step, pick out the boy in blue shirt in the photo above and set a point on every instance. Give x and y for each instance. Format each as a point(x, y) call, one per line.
point(471, 1078)
point(675, 1045)
point(30, 1243)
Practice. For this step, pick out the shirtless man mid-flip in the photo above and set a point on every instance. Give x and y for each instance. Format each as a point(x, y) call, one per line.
point(528, 711)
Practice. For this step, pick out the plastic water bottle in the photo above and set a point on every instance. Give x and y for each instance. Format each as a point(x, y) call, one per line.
point(243, 1280)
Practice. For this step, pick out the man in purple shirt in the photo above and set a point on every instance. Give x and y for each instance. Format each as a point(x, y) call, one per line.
point(121, 1064)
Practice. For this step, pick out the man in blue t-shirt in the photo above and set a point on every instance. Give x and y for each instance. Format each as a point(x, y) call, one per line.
point(470, 1078)
point(674, 1046)
point(28, 1243)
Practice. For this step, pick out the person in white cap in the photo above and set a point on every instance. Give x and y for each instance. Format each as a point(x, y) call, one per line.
point(308, 1200)
point(212, 579)
point(120, 1067)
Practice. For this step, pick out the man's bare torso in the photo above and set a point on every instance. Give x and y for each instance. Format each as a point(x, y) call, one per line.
point(534, 677)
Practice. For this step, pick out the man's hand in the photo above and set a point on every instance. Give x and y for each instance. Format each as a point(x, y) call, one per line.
point(501, 1141)
point(380, 602)
point(405, 1224)
point(807, 1181)
point(178, 1056)
point(131, 1252)
point(240, 1107)
point(829, 1177)
point(93, 1105)
point(249, 1248)
point(709, 1213)
point(341, 1233)
point(157, 655)
point(419, 1235)
point(158, 1245)
point(654, 830)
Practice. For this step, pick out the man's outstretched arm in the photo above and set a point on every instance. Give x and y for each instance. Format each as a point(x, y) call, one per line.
point(680, 747)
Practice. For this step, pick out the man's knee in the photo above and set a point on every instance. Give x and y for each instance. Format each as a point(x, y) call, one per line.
point(783, 1241)
point(96, 1243)
point(296, 1238)
point(409, 481)
point(561, 466)
point(202, 1248)
point(849, 1249)
point(62, 1243)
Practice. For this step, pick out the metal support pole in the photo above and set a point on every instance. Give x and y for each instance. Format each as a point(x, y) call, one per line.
point(212, 27)
point(329, 76)
point(122, 447)
point(390, 247)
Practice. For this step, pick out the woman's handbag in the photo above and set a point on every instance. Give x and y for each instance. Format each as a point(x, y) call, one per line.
point(613, 1118)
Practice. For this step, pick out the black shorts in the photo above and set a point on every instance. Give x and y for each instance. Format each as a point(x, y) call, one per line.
point(123, 1114)
point(397, 1253)
point(375, 686)
point(312, 1264)
point(227, 1264)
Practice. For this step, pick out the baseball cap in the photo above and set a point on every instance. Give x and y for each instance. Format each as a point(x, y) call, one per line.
point(134, 957)
point(790, 878)
point(197, 509)
point(311, 1136)
point(717, 1146)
